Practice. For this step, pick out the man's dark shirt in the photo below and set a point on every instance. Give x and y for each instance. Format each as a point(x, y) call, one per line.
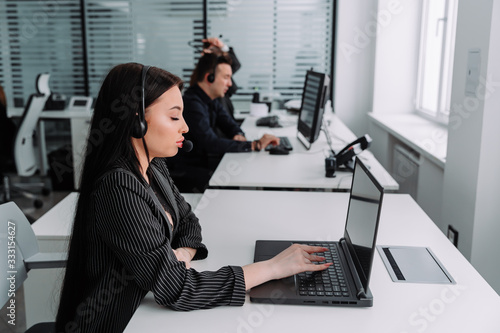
point(204, 117)
point(211, 130)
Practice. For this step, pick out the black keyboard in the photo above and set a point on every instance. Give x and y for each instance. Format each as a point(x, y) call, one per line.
point(330, 282)
point(284, 142)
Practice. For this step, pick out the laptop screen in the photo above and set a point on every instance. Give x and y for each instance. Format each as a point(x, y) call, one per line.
point(362, 219)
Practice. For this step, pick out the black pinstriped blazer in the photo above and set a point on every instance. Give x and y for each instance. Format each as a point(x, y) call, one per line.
point(130, 253)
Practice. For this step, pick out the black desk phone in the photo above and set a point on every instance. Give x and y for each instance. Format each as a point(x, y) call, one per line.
point(345, 157)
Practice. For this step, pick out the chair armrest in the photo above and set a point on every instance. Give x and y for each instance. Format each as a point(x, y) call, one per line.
point(47, 260)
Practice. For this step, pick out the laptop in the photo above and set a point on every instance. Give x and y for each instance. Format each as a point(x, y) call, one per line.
point(345, 283)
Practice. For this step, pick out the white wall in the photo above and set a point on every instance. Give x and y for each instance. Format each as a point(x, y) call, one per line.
point(354, 62)
point(487, 218)
point(471, 180)
point(396, 56)
point(376, 62)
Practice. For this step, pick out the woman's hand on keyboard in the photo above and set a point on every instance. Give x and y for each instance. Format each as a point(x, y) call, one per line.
point(296, 259)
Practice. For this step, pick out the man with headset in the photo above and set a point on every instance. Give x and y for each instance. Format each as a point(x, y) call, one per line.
point(211, 129)
point(215, 45)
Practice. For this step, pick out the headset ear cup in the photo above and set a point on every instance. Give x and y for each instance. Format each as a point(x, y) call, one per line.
point(139, 128)
point(211, 78)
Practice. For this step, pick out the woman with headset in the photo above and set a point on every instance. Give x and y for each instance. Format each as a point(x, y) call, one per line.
point(133, 231)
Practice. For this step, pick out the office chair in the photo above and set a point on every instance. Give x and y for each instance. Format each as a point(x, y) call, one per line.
point(26, 157)
point(21, 243)
point(42, 84)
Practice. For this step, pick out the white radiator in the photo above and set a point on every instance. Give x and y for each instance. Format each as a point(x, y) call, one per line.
point(405, 165)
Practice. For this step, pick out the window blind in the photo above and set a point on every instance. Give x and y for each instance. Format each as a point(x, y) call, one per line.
point(150, 32)
point(37, 37)
point(276, 41)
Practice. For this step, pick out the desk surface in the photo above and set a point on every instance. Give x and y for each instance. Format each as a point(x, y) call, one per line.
point(469, 306)
point(56, 224)
point(304, 169)
point(49, 114)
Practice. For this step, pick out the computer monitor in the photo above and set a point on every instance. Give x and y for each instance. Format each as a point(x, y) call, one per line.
point(314, 97)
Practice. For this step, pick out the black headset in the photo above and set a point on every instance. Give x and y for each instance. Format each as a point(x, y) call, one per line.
point(211, 76)
point(140, 126)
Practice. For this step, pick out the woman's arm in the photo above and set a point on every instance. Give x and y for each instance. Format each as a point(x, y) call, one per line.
point(126, 220)
point(295, 259)
point(185, 254)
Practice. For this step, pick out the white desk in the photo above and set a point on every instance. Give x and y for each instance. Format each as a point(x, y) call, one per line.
point(230, 234)
point(301, 169)
point(13, 112)
point(80, 123)
point(55, 225)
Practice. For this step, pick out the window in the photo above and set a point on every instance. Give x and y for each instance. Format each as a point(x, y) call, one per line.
point(37, 37)
point(276, 41)
point(150, 32)
point(436, 58)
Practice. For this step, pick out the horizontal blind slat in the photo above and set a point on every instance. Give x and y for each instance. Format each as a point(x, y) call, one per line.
point(275, 41)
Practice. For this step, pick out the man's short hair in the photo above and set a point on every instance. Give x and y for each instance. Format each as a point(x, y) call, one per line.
point(207, 64)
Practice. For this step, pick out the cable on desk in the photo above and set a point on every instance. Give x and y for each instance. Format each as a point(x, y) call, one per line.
point(309, 152)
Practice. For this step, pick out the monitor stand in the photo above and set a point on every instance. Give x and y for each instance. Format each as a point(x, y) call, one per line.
point(305, 142)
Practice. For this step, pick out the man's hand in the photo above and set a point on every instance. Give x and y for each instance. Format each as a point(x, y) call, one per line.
point(268, 139)
point(239, 137)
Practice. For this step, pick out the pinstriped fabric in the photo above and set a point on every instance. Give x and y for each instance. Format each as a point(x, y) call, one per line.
point(130, 253)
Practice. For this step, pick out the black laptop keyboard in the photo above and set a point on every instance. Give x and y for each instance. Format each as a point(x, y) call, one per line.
point(330, 282)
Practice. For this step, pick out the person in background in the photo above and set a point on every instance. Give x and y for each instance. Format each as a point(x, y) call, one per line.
point(216, 46)
point(133, 232)
point(213, 131)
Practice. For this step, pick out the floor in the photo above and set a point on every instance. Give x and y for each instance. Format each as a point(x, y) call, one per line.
point(33, 214)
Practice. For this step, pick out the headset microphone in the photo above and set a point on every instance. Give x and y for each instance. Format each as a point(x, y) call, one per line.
point(187, 146)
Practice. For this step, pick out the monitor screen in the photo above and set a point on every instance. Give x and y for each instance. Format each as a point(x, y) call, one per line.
point(362, 219)
point(314, 97)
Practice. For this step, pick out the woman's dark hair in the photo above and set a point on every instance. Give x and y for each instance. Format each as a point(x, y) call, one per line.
point(3, 99)
point(110, 139)
point(207, 64)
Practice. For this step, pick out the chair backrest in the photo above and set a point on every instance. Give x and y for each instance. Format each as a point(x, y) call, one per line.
point(18, 241)
point(7, 135)
point(42, 84)
point(25, 155)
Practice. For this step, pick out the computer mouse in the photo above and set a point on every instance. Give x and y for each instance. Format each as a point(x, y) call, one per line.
point(274, 123)
point(269, 121)
point(278, 150)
